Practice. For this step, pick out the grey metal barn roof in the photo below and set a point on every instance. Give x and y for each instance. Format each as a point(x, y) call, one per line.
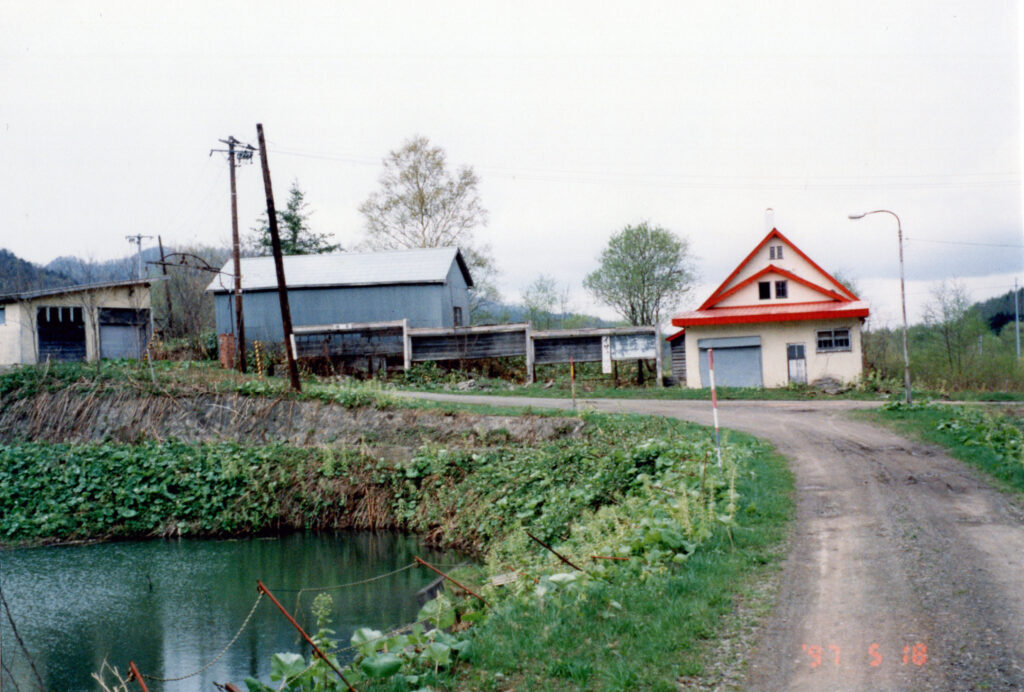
point(418, 266)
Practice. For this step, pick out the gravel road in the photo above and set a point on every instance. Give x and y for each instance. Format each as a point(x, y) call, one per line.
point(905, 571)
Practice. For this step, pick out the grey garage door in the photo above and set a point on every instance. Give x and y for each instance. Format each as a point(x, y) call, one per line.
point(122, 341)
point(737, 361)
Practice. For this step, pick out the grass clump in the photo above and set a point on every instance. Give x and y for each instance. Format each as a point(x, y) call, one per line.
point(989, 439)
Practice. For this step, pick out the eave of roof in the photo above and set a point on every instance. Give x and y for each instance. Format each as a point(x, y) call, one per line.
point(753, 314)
point(79, 288)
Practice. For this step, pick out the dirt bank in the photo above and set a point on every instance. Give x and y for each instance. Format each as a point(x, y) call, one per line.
point(75, 417)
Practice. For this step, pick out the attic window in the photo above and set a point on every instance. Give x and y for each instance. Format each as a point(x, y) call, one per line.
point(781, 289)
point(457, 316)
point(833, 340)
point(775, 252)
point(764, 290)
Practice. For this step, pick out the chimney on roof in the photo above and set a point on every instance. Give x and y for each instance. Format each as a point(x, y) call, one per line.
point(769, 220)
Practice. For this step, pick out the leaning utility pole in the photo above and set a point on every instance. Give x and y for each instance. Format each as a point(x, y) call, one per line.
point(167, 288)
point(243, 154)
point(282, 287)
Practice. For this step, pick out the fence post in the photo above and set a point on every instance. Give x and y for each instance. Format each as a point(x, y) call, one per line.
point(406, 344)
point(657, 355)
point(531, 375)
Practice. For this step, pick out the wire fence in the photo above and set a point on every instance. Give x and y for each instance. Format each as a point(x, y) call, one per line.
point(252, 611)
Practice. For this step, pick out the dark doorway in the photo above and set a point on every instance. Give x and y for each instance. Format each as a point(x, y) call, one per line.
point(61, 333)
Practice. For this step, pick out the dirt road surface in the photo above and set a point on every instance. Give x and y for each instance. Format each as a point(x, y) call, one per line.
point(905, 570)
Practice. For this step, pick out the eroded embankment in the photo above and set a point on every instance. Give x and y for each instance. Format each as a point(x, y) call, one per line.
point(69, 416)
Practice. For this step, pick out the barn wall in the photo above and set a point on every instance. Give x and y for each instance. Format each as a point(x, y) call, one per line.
point(424, 305)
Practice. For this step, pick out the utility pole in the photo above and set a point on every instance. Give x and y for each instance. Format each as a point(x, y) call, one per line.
point(244, 153)
point(167, 288)
point(282, 287)
point(137, 239)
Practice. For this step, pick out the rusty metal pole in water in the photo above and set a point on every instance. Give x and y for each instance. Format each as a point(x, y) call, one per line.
point(137, 675)
point(263, 589)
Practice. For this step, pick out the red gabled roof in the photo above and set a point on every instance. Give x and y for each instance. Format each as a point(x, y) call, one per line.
point(787, 312)
point(772, 269)
point(717, 295)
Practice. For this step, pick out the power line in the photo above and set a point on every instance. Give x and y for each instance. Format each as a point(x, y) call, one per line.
point(962, 242)
point(940, 180)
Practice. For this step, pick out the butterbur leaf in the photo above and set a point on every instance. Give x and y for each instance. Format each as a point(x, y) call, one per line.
point(366, 640)
point(437, 653)
point(286, 666)
point(254, 685)
point(381, 665)
point(439, 612)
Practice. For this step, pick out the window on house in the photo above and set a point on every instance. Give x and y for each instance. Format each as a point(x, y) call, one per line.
point(457, 316)
point(781, 289)
point(764, 290)
point(3, 315)
point(775, 252)
point(833, 340)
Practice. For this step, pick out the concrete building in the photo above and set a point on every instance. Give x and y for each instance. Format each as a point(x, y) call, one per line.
point(429, 287)
point(778, 318)
point(85, 322)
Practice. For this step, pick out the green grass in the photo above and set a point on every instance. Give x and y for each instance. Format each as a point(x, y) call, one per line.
point(660, 632)
point(990, 440)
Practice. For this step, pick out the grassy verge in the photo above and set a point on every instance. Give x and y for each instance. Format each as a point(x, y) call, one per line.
point(990, 440)
point(659, 629)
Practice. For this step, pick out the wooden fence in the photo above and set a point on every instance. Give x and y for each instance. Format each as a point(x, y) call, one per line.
point(377, 341)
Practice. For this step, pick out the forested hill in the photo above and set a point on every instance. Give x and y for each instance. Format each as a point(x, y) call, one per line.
point(998, 311)
point(17, 275)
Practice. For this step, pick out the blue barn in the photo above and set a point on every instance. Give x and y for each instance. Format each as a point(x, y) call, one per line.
point(429, 287)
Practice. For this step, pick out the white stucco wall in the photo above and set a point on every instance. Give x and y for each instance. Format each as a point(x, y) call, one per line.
point(775, 336)
point(18, 333)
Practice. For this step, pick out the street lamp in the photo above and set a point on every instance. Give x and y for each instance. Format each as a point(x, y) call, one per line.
point(903, 294)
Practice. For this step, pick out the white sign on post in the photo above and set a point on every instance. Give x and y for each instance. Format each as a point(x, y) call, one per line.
point(606, 355)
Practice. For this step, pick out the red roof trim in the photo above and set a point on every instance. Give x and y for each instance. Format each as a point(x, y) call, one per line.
point(774, 233)
point(675, 336)
point(747, 318)
point(771, 268)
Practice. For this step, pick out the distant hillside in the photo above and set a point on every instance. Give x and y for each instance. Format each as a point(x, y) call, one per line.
point(17, 275)
point(87, 272)
point(491, 312)
point(998, 311)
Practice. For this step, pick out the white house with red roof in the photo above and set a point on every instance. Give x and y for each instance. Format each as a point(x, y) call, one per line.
point(778, 318)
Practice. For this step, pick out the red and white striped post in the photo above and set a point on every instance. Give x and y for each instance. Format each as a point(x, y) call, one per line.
point(714, 405)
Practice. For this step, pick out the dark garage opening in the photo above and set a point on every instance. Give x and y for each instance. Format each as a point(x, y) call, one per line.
point(61, 333)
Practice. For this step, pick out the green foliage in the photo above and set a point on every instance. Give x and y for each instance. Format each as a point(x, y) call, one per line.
point(71, 491)
point(645, 271)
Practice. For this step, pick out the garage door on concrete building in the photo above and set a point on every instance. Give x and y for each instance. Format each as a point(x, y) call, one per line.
point(123, 332)
point(737, 361)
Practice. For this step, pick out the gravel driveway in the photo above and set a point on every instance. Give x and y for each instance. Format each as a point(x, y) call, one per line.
point(905, 571)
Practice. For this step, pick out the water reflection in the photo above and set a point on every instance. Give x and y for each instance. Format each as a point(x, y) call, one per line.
point(171, 606)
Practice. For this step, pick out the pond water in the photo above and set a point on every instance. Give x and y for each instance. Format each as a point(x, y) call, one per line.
point(171, 606)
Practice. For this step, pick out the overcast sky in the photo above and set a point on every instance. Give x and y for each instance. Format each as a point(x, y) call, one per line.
point(579, 118)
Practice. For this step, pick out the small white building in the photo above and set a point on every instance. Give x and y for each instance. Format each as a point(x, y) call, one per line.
point(75, 323)
point(778, 318)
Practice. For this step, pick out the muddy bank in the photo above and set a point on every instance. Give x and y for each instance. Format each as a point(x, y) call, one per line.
point(75, 417)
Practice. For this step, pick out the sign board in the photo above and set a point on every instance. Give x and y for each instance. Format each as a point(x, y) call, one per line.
point(606, 355)
point(632, 346)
